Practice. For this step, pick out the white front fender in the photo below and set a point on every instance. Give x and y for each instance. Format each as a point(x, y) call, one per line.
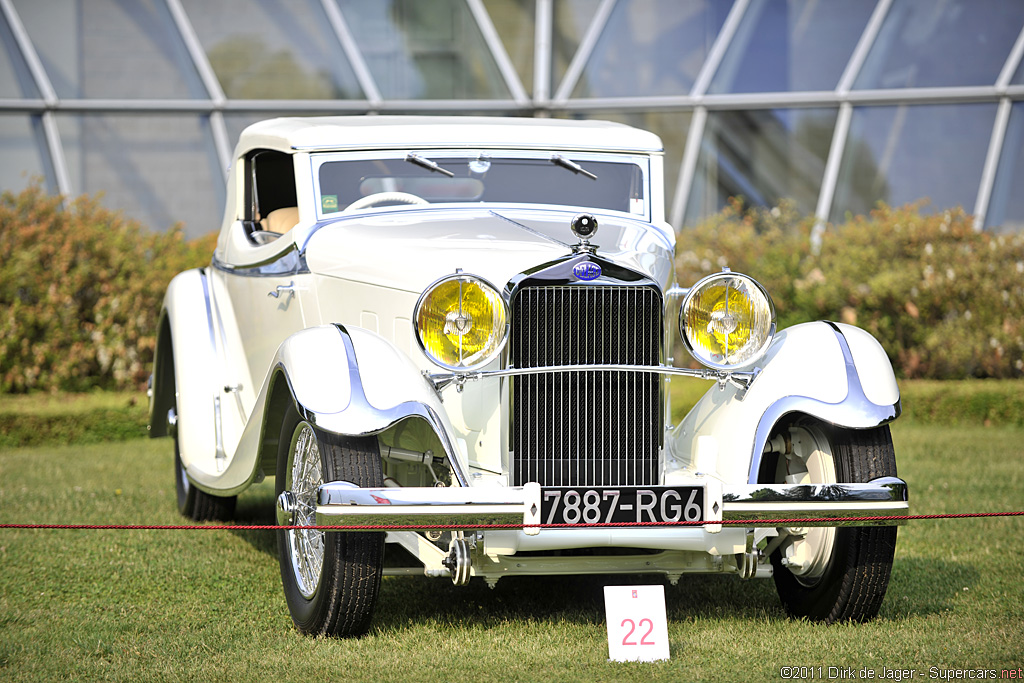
point(833, 372)
point(344, 380)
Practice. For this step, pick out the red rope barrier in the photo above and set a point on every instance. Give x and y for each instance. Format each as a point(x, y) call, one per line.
point(469, 527)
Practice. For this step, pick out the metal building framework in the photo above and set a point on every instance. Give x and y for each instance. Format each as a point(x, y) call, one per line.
point(542, 102)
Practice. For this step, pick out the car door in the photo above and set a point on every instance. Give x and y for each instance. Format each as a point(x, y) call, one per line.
point(264, 304)
point(263, 278)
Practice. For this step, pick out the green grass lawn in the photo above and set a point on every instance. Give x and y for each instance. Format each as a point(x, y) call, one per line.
point(207, 605)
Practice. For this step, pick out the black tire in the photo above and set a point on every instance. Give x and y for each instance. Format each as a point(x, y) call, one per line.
point(337, 600)
point(198, 505)
point(855, 574)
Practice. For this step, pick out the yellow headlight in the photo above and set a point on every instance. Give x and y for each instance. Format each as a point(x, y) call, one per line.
point(461, 322)
point(727, 321)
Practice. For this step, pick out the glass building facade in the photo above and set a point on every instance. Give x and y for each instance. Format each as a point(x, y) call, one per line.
point(833, 104)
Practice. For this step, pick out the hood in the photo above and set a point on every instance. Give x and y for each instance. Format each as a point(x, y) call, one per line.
point(410, 248)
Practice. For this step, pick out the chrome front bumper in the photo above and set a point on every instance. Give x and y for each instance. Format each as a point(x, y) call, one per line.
point(757, 505)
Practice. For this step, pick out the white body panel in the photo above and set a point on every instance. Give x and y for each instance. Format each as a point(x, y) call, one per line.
point(197, 368)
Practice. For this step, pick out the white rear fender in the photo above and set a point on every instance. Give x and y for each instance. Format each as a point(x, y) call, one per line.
point(344, 380)
point(186, 344)
point(835, 373)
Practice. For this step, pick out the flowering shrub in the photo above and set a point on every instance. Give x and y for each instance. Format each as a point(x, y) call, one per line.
point(80, 293)
point(945, 301)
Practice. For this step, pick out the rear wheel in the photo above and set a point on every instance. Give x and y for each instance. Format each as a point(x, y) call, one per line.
point(192, 503)
point(832, 574)
point(331, 580)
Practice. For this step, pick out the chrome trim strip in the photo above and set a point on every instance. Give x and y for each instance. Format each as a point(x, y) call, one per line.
point(342, 503)
point(855, 411)
point(218, 426)
point(258, 269)
point(883, 497)
point(742, 379)
point(424, 507)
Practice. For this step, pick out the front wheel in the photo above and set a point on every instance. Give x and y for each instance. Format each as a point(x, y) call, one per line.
point(331, 580)
point(832, 574)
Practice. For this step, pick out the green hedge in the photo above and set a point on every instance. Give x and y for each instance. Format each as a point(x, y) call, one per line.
point(944, 300)
point(80, 293)
point(80, 288)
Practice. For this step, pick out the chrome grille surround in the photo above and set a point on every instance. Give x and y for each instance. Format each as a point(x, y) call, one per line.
point(585, 428)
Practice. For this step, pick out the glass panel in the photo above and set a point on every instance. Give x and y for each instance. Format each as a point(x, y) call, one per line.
point(652, 47)
point(515, 20)
point(569, 22)
point(763, 156)
point(23, 149)
point(792, 45)
point(1018, 78)
point(924, 43)
point(111, 49)
point(495, 176)
point(419, 49)
point(273, 50)
point(901, 154)
point(1006, 208)
point(158, 169)
point(671, 126)
point(15, 78)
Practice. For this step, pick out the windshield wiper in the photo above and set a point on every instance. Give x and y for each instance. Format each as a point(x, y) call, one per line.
point(427, 164)
point(559, 160)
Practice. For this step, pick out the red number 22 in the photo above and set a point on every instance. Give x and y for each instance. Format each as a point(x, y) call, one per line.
point(632, 627)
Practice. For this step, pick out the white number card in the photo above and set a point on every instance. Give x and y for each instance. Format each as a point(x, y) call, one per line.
point(637, 625)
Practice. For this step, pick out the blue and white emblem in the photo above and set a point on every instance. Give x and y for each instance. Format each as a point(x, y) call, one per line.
point(587, 270)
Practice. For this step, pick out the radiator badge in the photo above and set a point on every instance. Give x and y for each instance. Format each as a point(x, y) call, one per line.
point(587, 270)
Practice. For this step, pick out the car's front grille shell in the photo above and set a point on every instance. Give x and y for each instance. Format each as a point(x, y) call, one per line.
point(585, 428)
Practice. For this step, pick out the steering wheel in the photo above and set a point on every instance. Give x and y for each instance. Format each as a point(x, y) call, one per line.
point(384, 197)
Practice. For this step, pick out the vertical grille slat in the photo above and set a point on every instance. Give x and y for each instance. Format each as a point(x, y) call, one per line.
point(585, 428)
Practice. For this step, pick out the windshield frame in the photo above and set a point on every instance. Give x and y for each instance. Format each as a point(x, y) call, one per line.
point(642, 161)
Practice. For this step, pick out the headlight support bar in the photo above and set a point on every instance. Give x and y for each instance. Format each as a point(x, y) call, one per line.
point(742, 380)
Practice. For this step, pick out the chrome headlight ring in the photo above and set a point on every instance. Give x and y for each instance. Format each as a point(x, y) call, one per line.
point(461, 322)
point(727, 321)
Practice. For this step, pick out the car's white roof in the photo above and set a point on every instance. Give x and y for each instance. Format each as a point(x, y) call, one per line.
point(404, 132)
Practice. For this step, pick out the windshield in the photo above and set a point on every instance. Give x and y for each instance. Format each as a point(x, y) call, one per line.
point(440, 177)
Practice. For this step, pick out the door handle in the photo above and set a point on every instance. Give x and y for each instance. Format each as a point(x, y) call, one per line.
point(288, 289)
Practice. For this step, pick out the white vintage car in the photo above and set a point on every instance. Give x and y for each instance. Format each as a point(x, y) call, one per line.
point(453, 336)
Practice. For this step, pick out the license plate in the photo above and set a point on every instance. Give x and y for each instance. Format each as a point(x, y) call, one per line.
point(621, 504)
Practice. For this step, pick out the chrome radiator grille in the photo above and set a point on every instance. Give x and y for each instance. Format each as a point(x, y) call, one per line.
point(585, 428)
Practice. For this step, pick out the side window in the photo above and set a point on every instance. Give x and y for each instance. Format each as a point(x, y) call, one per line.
point(271, 207)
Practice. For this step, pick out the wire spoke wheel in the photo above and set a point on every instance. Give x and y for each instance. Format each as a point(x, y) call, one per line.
point(330, 579)
point(306, 545)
